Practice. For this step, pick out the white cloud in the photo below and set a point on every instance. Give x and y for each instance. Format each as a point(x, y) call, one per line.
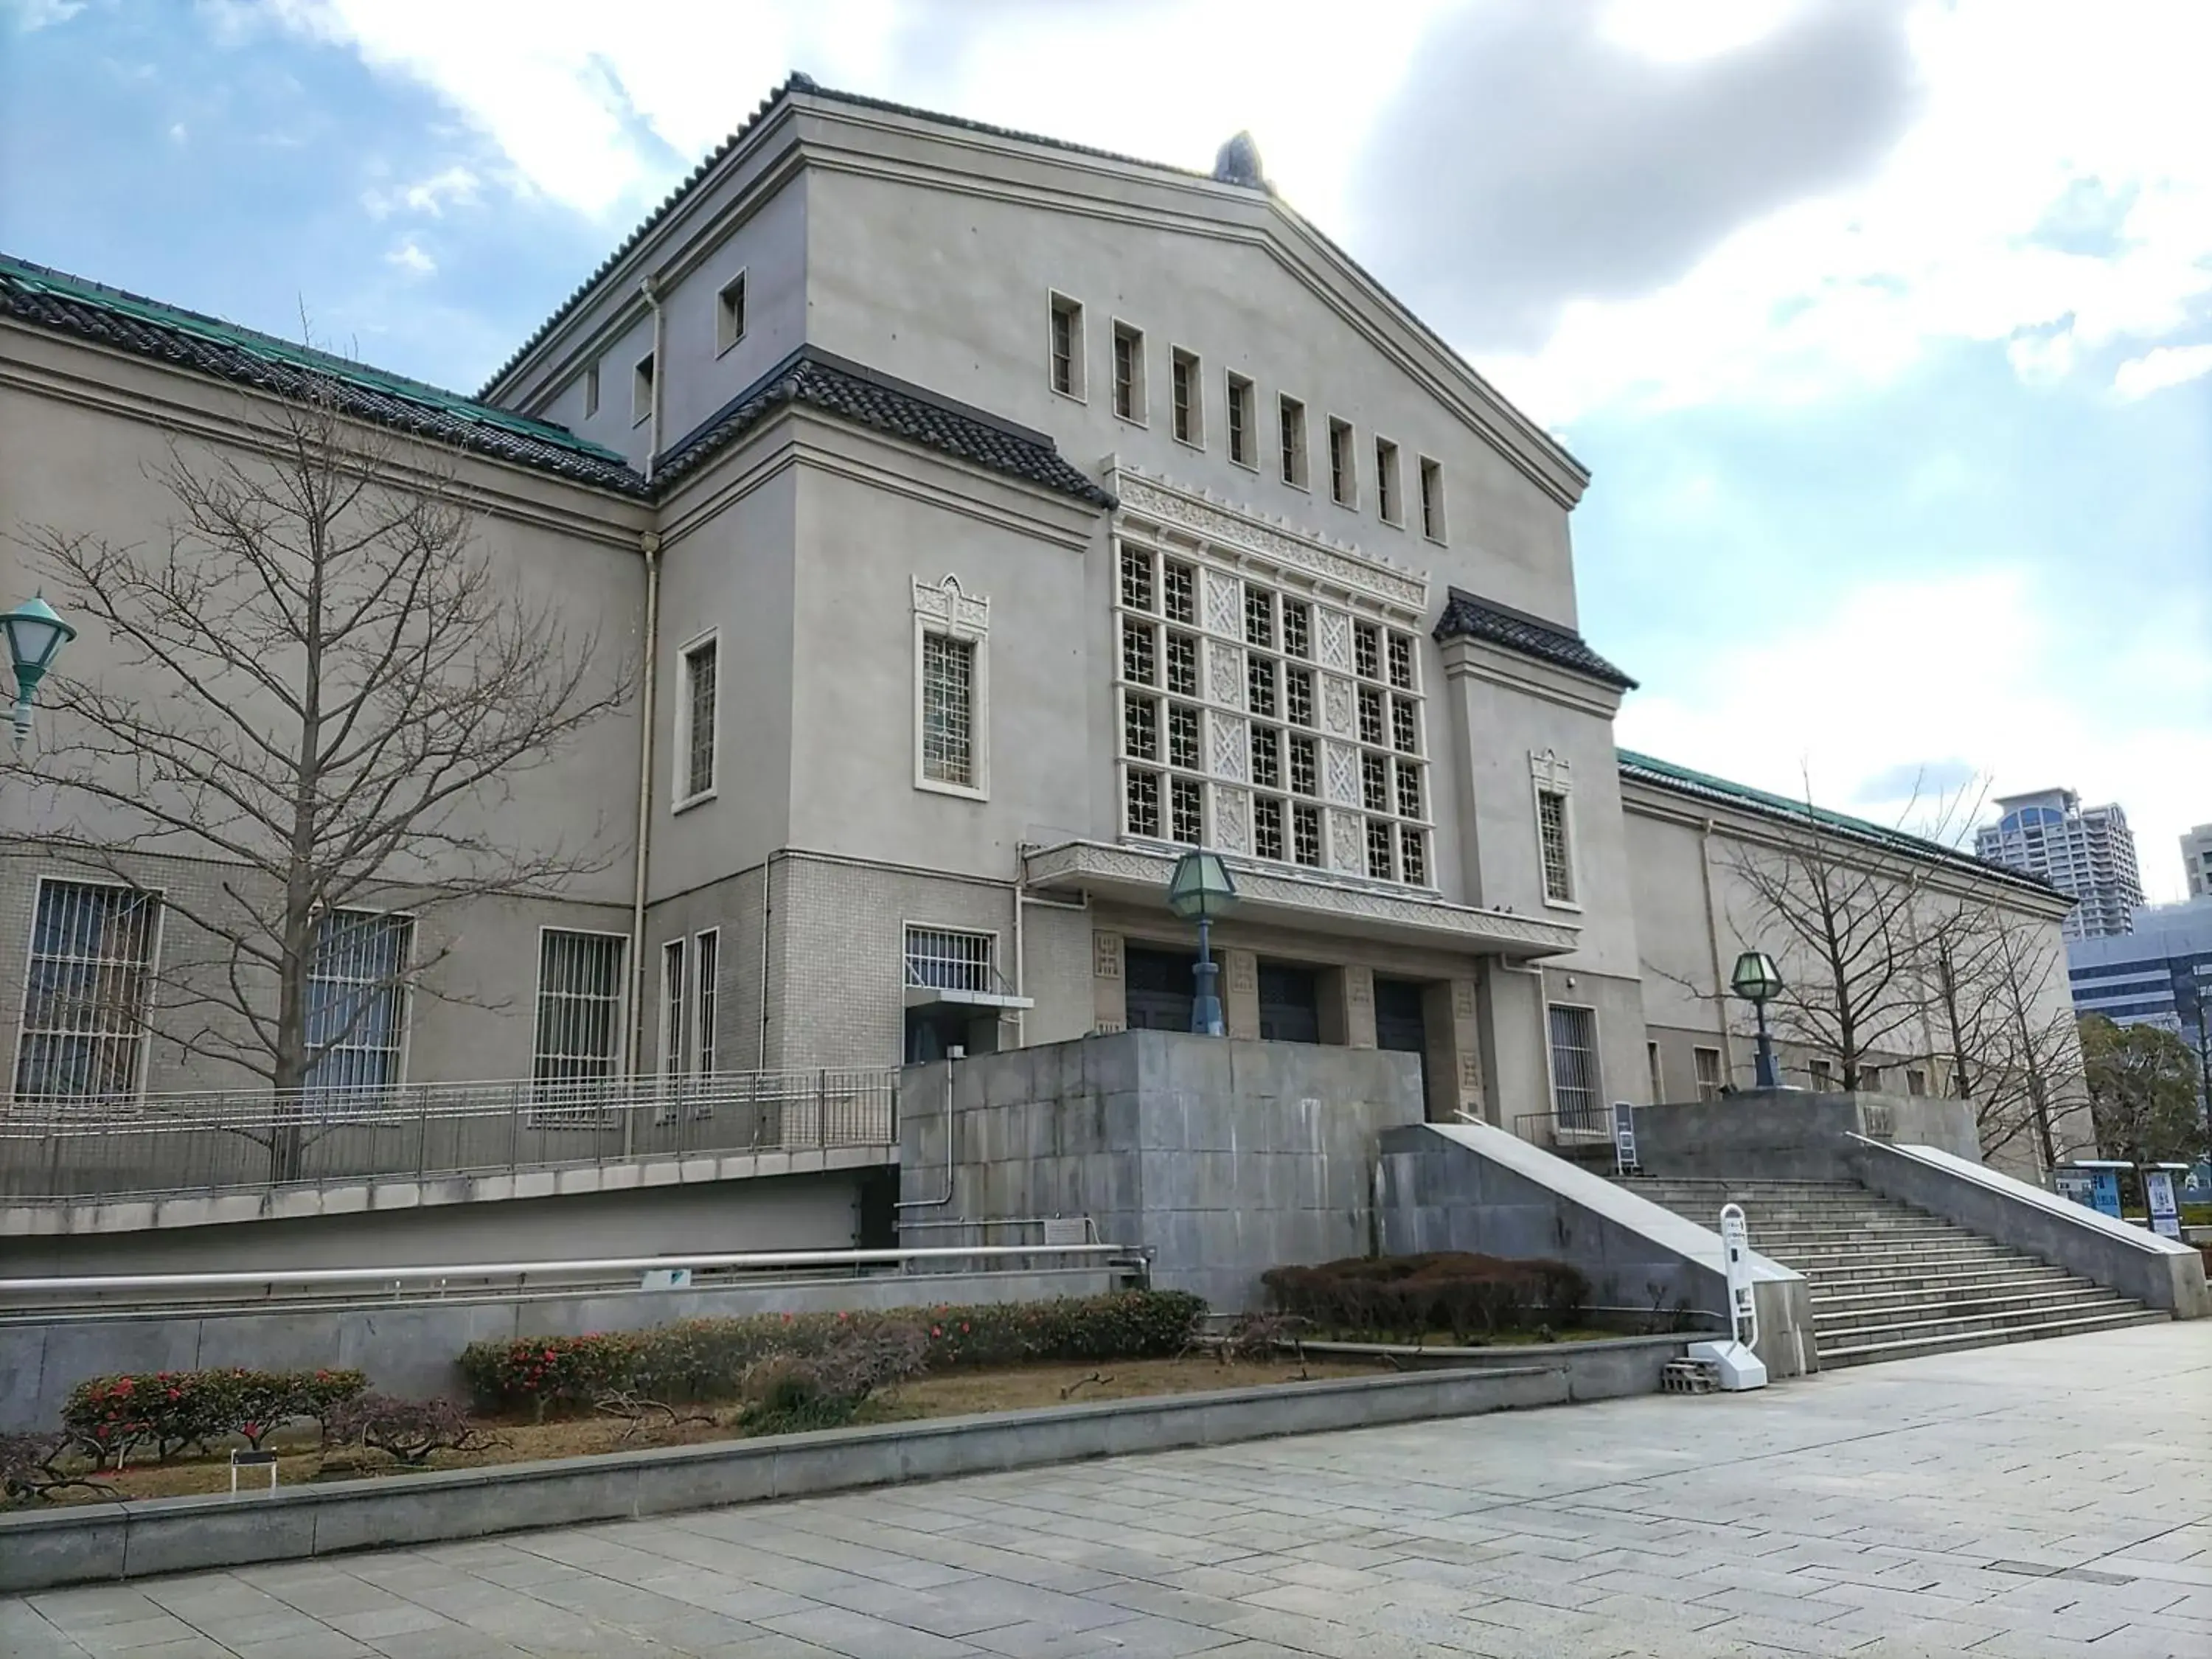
point(32, 15)
point(179, 133)
point(1963, 663)
point(2167, 366)
point(457, 186)
point(409, 257)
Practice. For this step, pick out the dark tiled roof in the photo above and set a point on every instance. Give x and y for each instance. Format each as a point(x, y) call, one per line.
point(1468, 617)
point(1703, 786)
point(187, 339)
point(857, 393)
point(801, 83)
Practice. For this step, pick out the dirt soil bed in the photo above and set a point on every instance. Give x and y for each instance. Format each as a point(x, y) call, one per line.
point(955, 1395)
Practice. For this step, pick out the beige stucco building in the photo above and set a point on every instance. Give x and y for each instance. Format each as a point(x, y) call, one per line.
point(991, 518)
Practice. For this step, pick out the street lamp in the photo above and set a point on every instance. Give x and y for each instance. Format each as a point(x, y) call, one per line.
point(35, 637)
point(1199, 890)
point(1758, 981)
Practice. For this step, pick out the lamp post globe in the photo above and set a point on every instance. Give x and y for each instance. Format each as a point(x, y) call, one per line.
point(36, 636)
point(1200, 889)
point(1758, 981)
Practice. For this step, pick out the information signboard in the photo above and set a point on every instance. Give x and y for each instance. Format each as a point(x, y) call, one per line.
point(2158, 1188)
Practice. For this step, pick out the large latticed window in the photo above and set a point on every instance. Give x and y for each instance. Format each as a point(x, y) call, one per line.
point(357, 1001)
point(1262, 716)
point(948, 710)
point(947, 959)
point(1575, 1093)
point(85, 997)
point(580, 1012)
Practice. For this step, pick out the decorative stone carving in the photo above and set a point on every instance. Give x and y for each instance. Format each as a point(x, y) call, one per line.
point(950, 608)
point(1232, 747)
point(1225, 672)
point(1232, 817)
point(1552, 771)
point(1106, 954)
point(1338, 715)
point(1341, 783)
point(1347, 844)
point(1333, 638)
point(1243, 972)
point(1225, 604)
point(1144, 497)
point(1462, 999)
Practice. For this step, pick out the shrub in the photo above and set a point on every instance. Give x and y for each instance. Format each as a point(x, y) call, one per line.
point(709, 1358)
point(170, 1411)
point(1412, 1294)
point(409, 1431)
point(788, 1393)
point(34, 1466)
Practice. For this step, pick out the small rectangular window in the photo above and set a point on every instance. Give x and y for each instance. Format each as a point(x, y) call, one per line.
point(1343, 471)
point(1140, 728)
point(948, 959)
point(1402, 661)
point(1240, 421)
point(1259, 617)
point(1267, 757)
point(1143, 796)
point(1306, 833)
point(1916, 1081)
point(1186, 386)
point(1378, 849)
point(580, 1012)
point(641, 390)
point(1179, 583)
point(730, 313)
point(1136, 577)
point(1066, 347)
point(1298, 695)
point(1267, 827)
point(1822, 1073)
point(948, 710)
point(1375, 782)
point(1708, 1064)
point(1128, 373)
point(1870, 1079)
point(1386, 482)
point(1137, 663)
point(1651, 1064)
point(1291, 421)
point(1187, 823)
point(1305, 770)
point(591, 391)
point(1370, 715)
point(1367, 650)
point(1405, 726)
point(675, 1011)
point(1412, 856)
point(706, 973)
point(1409, 791)
point(696, 740)
point(1259, 685)
point(1559, 856)
point(1432, 499)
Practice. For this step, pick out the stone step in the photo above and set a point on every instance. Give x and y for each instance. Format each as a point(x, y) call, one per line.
point(1898, 1232)
point(1961, 1247)
point(1871, 1279)
point(1859, 1351)
point(1863, 1312)
point(1941, 1322)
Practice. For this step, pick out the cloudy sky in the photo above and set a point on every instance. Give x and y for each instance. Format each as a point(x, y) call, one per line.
point(1885, 327)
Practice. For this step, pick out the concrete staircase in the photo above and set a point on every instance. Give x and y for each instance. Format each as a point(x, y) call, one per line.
point(1889, 1281)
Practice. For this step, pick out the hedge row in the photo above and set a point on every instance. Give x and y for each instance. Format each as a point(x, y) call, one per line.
point(170, 1411)
point(1458, 1291)
point(708, 1359)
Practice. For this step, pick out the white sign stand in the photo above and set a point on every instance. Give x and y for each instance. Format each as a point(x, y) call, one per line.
point(2158, 1198)
point(1738, 1367)
point(1624, 1139)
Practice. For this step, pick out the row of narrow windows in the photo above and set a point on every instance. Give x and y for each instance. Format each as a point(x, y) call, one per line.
point(729, 329)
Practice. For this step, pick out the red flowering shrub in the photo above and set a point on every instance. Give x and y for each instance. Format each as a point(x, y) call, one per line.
point(167, 1411)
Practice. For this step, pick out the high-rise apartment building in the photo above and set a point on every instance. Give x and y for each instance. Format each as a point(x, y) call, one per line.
point(2197, 860)
point(2086, 852)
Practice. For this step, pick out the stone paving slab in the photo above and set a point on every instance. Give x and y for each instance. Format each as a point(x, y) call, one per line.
point(2048, 1500)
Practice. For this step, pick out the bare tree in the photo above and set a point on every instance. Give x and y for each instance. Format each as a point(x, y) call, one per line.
point(318, 684)
point(1996, 997)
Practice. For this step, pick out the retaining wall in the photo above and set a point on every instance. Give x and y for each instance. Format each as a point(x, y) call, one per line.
point(1790, 1134)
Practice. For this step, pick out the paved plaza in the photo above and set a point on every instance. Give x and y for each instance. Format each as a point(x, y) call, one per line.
point(2047, 1499)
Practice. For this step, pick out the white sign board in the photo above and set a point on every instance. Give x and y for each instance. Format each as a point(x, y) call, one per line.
point(1624, 1138)
point(666, 1279)
point(2158, 1188)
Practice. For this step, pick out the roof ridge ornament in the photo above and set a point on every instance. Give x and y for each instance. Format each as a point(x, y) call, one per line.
point(1238, 163)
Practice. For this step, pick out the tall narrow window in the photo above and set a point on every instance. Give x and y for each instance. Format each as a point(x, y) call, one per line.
point(675, 1012)
point(357, 1001)
point(1240, 421)
point(1387, 501)
point(580, 1012)
point(1128, 373)
point(1651, 1064)
point(730, 312)
point(1432, 499)
point(696, 725)
point(1343, 473)
point(86, 993)
point(591, 391)
point(1143, 796)
point(1708, 1064)
point(641, 390)
point(706, 973)
point(1189, 825)
point(1575, 1091)
point(948, 710)
point(1066, 347)
point(1559, 854)
point(1291, 422)
point(1190, 404)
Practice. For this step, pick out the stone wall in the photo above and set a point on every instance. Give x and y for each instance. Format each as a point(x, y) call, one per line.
point(1792, 1134)
point(1223, 1157)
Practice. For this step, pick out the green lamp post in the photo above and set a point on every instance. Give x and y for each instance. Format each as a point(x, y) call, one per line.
point(1758, 981)
point(1199, 890)
point(35, 637)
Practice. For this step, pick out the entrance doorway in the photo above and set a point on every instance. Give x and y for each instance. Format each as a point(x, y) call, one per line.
point(1161, 988)
point(1289, 1004)
point(1400, 1025)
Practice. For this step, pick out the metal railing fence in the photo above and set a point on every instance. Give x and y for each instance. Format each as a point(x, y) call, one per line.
point(227, 1142)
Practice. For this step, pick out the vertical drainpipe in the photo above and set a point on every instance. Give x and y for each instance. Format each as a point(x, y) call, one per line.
point(649, 545)
point(1713, 946)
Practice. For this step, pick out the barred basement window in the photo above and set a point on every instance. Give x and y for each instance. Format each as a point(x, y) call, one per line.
point(1136, 652)
point(1181, 583)
point(1259, 617)
point(1267, 827)
point(1409, 791)
point(947, 959)
point(1183, 737)
point(1370, 715)
point(357, 1000)
point(1136, 578)
point(1267, 757)
point(1367, 650)
point(1574, 1067)
point(1297, 628)
point(1185, 803)
point(1182, 665)
point(1378, 849)
point(1298, 695)
point(1140, 728)
point(1405, 728)
point(580, 1012)
point(948, 710)
point(1305, 772)
point(1259, 685)
point(1143, 803)
point(1551, 832)
point(1413, 862)
point(1305, 834)
point(1375, 782)
point(1401, 662)
point(86, 993)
